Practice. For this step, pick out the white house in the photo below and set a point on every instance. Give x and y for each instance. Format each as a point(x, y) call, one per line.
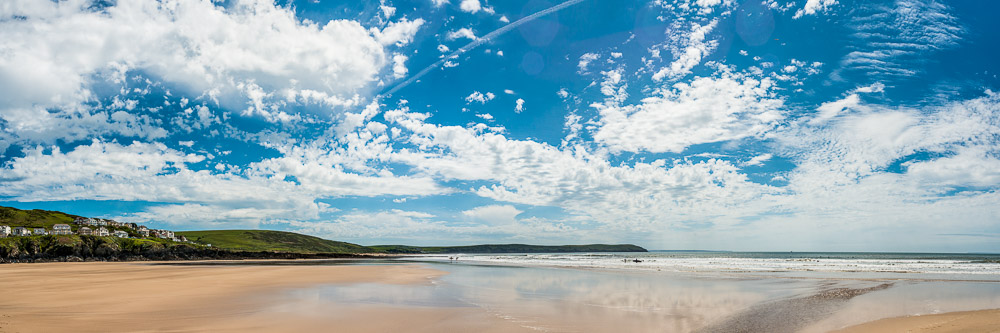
point(4, 231)
point(84, 231)
point(21, 231)
point(61, 229)
point(121, 234)
point(143, 231)
point(167, 234)
point(102, 231)
point(40, 232)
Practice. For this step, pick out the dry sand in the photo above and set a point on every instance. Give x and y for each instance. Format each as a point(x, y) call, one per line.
point(136, 297)
point(984, 321)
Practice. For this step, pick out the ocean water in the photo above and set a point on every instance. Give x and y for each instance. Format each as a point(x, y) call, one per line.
point(825, 264)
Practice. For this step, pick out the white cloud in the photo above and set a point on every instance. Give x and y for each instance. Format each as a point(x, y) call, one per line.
point(388, 11)
point(381, 225)
point(268, 58)
point(563, 93)
point(814, 6)
point(399, 66)
point(694, 49)
point(970, 167)
point(898, 44)
point(508, 91)
point(585, 61)
point(707, 6)
point(479, 97)
point(504, 19)
point(519, 105)
point(493, 214)
point(876, 87)
point(439, 3)
point(399, 33)
point(758, 160)
point(462, 33)
point(443, 48)
point(538, 174)
point(862, 143)
point(470, 6)
point(829, 110)
point(707, 110)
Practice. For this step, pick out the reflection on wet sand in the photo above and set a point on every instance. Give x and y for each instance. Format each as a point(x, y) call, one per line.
point(571, 300)
point(790, 315)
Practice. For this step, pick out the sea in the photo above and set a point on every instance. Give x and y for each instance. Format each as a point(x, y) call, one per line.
point(946, 266)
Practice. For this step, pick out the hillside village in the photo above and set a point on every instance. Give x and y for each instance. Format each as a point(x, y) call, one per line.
point(84, 226)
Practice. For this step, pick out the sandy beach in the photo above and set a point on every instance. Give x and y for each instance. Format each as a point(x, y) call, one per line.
point(138, 297)
point(401, 297)
point(983, 321)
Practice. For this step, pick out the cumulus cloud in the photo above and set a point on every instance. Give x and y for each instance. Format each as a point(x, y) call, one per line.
point(268, 57)
point(470, 6)
point(814, 6)
point(462, 33)
point(519, 105)
point(399, 69)
point(480, 97)
point(728, 107)
point(493, 214)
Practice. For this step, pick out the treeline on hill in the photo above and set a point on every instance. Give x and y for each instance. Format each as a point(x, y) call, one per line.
point(93, 248)
point(509, 248)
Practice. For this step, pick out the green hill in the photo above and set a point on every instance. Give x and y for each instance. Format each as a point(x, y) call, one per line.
point(267, 240)
point(35, 218)
point(510, 248)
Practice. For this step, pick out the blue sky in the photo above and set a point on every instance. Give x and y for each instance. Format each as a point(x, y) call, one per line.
point(710, 124)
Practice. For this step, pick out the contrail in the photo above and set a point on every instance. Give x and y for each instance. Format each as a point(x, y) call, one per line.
point(481, 40)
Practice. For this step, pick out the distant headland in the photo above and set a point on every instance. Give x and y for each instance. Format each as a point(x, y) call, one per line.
point(43, 236)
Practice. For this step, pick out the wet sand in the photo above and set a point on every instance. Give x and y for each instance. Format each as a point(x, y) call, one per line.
point(136, 297)
point(983, 321)
point(790, 315)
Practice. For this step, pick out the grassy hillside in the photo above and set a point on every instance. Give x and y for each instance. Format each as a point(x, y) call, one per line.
point(267, 240)
point(510, 248)
point(35, 218)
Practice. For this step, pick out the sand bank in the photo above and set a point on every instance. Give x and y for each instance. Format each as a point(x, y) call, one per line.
point(135, 297)
point(982, 321)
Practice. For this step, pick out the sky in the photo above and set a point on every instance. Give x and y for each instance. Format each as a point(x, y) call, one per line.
point(763, 125)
